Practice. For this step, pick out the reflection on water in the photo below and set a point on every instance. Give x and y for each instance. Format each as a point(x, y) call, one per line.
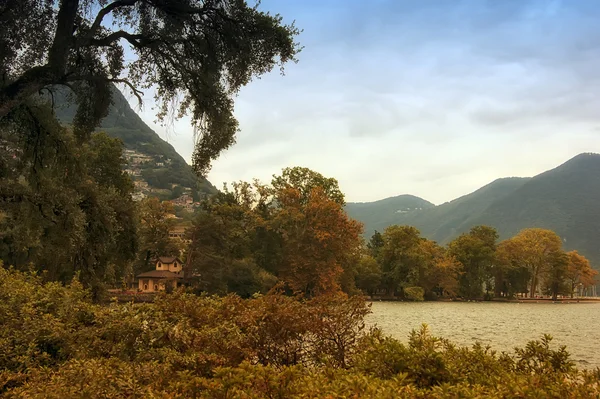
point(499, 325)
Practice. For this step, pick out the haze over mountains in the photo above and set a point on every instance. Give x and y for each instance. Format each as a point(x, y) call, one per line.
point(565, 199)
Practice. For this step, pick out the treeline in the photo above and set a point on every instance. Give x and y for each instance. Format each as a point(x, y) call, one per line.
point(295, 231)
point(475, 265)
point(251, 236)
point(56, 343)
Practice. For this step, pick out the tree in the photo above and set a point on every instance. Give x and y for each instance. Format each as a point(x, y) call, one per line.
point(446, 274)
point(196, 53)
point(579, 272)
point(555, 282)
point(305, 180)
point(375, 244)
point(318, 239)
point(67, 208)
point(368, 274)
point(221, 254)
point(155, 223)
point(511, 277)
point(535, 249)
point(476, 252)
point(401, 258)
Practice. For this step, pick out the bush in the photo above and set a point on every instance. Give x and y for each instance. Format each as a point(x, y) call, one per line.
point(55, 343)
point(414, 294)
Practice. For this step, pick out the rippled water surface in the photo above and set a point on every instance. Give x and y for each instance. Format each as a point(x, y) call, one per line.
point(500, 325)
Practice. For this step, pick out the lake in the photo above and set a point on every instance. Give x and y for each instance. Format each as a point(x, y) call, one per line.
point(499, 325)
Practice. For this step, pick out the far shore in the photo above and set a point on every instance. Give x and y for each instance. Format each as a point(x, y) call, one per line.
point(505, 300)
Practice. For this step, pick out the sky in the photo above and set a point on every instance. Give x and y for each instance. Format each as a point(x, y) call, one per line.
point(433, 98)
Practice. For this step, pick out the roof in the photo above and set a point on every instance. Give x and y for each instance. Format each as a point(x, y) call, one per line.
point(169, 259)
point(159, 274)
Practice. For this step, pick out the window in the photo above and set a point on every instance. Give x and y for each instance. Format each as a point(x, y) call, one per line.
point(155, 286)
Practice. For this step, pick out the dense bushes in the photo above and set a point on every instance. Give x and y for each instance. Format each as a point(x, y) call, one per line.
point(54, 342)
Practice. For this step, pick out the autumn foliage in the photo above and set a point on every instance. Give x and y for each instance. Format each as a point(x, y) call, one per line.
point(294, 231)
point(56, 343)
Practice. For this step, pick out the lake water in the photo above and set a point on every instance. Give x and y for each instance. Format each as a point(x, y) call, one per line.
point(499, 325)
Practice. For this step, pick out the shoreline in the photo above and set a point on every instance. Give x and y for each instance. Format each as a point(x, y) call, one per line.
point(498, 300)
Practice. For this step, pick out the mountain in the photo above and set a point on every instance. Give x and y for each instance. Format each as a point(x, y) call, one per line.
point(565, 199)
point(379, 214)
point(161, 167)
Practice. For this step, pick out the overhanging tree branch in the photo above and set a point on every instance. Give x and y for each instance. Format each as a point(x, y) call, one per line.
point(106, 10)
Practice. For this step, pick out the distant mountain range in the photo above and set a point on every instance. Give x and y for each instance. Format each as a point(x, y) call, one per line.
point(565, 199)
point(124, 123)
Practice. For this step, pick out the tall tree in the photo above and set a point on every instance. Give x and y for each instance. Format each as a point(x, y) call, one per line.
point(155, 223)
point(196, 53)
point(305, 180)
point(401, 258)
point(579, 272)
point(67, 208)
point(318, 239)
point(511, 276)
point(375, 244)
point(556, 280)
point(476, 252)
point(535, 249)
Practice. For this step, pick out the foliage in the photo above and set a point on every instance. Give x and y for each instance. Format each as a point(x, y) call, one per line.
point(579, 273)
point(155, 223)
point(294, 231)
point(72, 44)
point(539, 252)
point(305, 181)
point(414, 293)
point(476, 252)
point(67, 208)
point(55, 343)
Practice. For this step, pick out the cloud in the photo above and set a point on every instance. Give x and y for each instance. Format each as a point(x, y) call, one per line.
point(429, 97)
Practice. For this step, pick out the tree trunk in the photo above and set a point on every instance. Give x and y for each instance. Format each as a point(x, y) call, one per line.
point(36, 78)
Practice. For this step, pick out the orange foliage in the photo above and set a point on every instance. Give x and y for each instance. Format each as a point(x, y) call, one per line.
point(318, 238)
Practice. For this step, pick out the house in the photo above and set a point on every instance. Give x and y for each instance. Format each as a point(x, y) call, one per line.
point(177, 232)
point(168, 273)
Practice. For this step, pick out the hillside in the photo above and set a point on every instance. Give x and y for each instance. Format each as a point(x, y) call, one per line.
point(378, 214)
point(565, 199)
point(435, 222)
point(164, 168)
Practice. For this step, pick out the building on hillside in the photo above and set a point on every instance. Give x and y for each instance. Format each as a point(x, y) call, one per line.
point(138, 196)
point(140, 184)
point(185, 199)
point(168, 274)
point(177, 232)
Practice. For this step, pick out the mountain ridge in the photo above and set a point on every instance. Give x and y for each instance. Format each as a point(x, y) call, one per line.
point(165, 167)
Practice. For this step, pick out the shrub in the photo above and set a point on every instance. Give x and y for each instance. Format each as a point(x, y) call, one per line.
point(414, 294)
point(55, 343)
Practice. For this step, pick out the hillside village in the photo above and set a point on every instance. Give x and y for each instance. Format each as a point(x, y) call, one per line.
point(137, 162)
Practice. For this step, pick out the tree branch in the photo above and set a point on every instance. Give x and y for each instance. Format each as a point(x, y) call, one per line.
point(102, 13)
point(137, 93)
point(136, 40)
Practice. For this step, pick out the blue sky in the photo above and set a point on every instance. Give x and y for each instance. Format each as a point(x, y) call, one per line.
point(434, 98)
